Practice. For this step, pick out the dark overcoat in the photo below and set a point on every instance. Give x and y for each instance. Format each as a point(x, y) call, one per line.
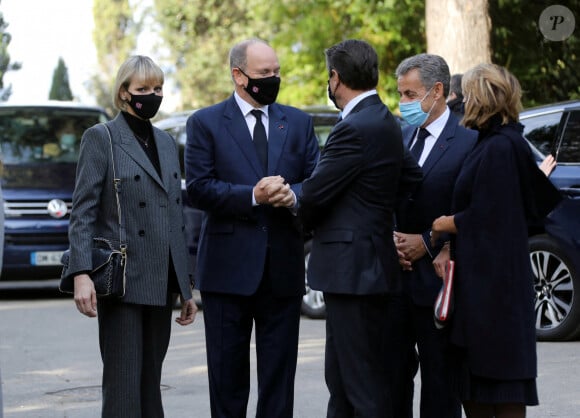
point(495, 197)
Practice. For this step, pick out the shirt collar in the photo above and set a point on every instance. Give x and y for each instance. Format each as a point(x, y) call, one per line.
point(436, 127)
point(246, 108)
point(350, 105)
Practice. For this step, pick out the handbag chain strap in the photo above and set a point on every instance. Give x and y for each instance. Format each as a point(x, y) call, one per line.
point(117, 185)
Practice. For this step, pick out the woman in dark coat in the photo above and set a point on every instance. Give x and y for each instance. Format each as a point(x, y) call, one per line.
point(499, 191)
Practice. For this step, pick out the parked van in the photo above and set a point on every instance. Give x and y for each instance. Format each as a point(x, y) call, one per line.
point(39, 145)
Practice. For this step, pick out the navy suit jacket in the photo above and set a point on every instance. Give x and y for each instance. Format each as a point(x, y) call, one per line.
point(349, 202)
point(222, 168)
point(431, 200)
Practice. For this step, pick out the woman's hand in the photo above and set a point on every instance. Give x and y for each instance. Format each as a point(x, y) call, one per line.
point(442, 224)
point(85, 295)
point(188, 311)
point(435, 230)
point(548, 165)
point(440, 262)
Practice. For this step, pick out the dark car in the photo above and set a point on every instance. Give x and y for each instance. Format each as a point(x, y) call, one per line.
point(39, 144)
point(555, 258)
point(555, 129)
point(555, 252)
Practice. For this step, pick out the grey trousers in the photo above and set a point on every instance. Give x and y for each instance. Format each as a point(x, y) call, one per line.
point(133, 341)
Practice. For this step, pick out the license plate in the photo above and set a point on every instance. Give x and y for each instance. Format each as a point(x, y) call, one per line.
point(45, 258)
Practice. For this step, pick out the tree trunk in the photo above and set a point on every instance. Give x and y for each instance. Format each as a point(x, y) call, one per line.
point(459, 31)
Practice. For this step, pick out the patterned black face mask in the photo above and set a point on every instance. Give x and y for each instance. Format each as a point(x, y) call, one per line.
point(263, 90)
point(145, 105)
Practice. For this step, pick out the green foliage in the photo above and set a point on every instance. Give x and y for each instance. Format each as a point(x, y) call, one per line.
point(115, 38)
point(304, 30)
point(5, 64)
point(197, 36)
point(200, 34)
point(547, 70)
point(60, 88)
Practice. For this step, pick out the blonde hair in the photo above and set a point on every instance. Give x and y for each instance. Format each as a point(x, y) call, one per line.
point(490, 90)
point(137, 67)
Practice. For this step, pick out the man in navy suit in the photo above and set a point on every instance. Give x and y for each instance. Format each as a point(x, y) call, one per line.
point(348, 202)
point(440, 145)
point(245, 160)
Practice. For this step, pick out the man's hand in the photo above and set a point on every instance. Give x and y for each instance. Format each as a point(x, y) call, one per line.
point(85, 295)
point(410, 245)
point(282, 196)
point(405, 264)
point(188, 311)
point(272, 191)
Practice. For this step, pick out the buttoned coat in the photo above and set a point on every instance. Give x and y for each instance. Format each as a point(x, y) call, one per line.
point(499, 190)
point(151, 210)
point(432, 199)
point(349, 203)
point(222, 168)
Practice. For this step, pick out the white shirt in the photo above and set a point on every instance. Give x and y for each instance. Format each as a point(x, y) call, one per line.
point(247, 108)
point(434, 128)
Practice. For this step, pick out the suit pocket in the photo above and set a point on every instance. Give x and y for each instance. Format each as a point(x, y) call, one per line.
point(335, 250)
point(336, 235)
point(220, 228)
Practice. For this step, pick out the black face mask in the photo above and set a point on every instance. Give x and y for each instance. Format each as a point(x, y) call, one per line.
point(263, 90)
point(145, 105)
point(331, 96)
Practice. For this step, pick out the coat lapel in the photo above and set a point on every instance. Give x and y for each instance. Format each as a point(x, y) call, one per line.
point(441, 145)
point(277, 131)
point(238, 129)
point(129, 144)
point(165, 156)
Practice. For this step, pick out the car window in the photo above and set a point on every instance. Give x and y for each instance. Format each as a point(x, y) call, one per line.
point(37, 135)
point(39, 146)
point(569, 149)
point(541, 130)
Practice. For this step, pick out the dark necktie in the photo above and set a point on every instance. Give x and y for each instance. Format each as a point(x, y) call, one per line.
point(260, 140)
point(419, 144)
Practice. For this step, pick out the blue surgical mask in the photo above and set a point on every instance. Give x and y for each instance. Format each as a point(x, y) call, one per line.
point(413, 113)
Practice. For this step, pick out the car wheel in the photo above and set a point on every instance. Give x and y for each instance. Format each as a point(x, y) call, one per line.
point(557, 290)
point(313, 305)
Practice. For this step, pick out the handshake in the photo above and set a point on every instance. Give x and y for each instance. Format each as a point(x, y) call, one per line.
point(274, 191)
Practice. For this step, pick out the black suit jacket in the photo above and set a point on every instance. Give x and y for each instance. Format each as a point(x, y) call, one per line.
point(349, 201)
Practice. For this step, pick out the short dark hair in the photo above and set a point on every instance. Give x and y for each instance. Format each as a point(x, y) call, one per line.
point(356, 63)
point(455, 85)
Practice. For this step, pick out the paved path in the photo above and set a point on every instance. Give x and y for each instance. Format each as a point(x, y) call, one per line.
point(51, 367)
